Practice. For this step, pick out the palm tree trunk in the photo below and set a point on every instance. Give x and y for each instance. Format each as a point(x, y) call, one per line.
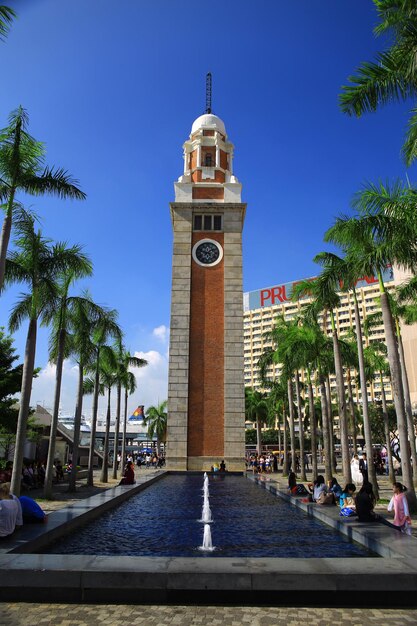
point(341, 396)
point(47, 491)
point(105, 467)
point(5, 236)
point(285, 464)
point(397, 389)
point(313, 426)
point(364, 394)
point(22, 420)
point(123, 455)
point(292, 427)
point(90, 477)
point(77, 427)
point(258, 436)
point(116, 429)
point(300, 426)
point(278, 423)
point(333, 461)
point(351, 411)
point(325, 427)
point(407, 402)
point(391, 472)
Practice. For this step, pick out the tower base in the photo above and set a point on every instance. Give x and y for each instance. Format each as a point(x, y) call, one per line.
point(204, 463)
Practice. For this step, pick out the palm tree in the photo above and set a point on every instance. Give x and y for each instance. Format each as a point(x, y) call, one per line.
point(58, 351)
point(105, 328)
point(381, 234)
point(156, 420)
point(256, 409)
point(324, 291)
point(83, 318)
point(108, 377)
point(342, 272)
point(279, 354)
point(398, 312)
point(124, 360)
point(393, 75)
point(6, 18)
point(22, 169)
point(129, 385)
point(376, 364)
point(36, 262)
point(277, 403)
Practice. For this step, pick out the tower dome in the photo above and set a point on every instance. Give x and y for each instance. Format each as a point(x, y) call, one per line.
point(208, 121)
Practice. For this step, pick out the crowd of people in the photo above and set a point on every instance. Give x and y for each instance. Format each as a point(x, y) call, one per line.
point(360, 505)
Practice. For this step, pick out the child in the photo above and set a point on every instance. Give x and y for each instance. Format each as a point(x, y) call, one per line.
point(400, 505)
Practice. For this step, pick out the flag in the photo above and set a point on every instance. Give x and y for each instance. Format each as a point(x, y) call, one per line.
point(137, 415)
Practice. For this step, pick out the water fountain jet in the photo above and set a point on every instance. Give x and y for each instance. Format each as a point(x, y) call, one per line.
point(207, 543)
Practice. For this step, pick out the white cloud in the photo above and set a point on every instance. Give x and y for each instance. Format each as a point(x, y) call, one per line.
point(161, 332)
point(43, 387)
point(152, 386)
point(152, 380)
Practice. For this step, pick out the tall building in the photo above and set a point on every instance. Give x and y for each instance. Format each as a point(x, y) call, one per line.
point(263, 306)
point(205, 384)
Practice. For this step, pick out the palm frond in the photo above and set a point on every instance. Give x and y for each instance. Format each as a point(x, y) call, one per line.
point(21, 311)
point(409, 149)
point(6, 18)
point(376, 84)
point(54, 181)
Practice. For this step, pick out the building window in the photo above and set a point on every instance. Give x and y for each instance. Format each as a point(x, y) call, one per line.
point(208, 222)
point(208, 160)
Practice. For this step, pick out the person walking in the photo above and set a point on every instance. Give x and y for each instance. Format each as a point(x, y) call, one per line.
point(399, 505)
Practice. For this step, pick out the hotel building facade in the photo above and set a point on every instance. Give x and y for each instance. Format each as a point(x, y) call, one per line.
point(263, 306)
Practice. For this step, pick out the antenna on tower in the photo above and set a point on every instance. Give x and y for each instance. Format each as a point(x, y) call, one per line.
point(208, 93)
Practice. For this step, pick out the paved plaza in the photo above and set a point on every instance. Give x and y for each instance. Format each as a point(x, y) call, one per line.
point(95, 615)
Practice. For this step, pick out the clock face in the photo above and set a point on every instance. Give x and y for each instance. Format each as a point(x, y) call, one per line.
point(207, 252)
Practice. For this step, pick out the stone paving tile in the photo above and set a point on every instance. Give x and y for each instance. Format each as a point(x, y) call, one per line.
point(25, 614)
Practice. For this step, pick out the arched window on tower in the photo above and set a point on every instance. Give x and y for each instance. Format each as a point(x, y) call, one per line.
point(208, 161)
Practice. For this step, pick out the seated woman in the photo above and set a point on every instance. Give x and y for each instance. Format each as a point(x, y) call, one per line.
point(346, 498)
point(128, 475)
point(317, 488)
point(365, 502)
point(5, 487)
point(293, 488)
point(334, 488)
point(9, 512)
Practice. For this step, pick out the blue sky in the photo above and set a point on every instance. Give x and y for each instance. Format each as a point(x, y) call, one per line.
point(112, 88)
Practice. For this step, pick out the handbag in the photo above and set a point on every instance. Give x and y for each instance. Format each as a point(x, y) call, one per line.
point(347, 512)
point(325, 498)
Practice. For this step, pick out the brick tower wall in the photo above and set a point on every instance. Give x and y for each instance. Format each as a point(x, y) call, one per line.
point(206, 365)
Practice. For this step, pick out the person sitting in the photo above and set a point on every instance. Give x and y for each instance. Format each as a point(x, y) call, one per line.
point(31, 511)
point(128, 475)
point(19, 519)
point(346, 498)
point(294, 488)
point(223, 466)
point(9, 512)
point(365, 502)
point(317, 488)
point(334, 488)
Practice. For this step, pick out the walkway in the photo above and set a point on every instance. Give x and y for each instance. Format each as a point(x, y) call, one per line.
point(116, 614)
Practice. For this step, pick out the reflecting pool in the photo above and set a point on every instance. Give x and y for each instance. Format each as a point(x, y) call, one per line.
point(248, 521)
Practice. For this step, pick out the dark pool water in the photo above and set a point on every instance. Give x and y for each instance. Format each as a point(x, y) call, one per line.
point(247, 522)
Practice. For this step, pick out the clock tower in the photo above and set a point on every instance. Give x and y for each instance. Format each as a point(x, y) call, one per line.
point(206, 400)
